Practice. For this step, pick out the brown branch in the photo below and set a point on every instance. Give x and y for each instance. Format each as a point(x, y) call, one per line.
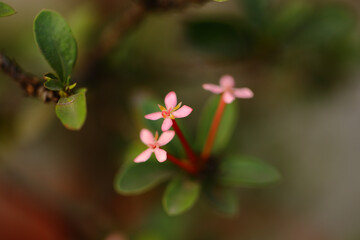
point(132, 17)
point(111, 35)
point(31, 84)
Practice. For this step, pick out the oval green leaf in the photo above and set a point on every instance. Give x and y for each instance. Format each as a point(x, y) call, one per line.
point(6, 10)
point(56, 42)
point(244, 171)
point(54, 84)
point(137, 178)
point(180, 195)
point(72, 110)
point(226, 127)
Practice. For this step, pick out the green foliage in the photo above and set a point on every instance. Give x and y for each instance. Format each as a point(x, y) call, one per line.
point(6, 10)
point(54, 85)
point(222, 199)
point(244, 171)
point(226, 127)
point(180, 195)
point(137, 178)
point(56, 42)
point(72, 110)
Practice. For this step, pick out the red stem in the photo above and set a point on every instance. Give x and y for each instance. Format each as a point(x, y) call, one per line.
point(213, 130)
point(188, 150)
point(184, 165)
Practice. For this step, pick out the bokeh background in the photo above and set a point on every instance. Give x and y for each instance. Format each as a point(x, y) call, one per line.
point(301, 58)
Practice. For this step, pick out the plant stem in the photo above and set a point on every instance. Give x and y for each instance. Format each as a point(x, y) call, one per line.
point(185, 144)
point(184, 165)
point(213, 130)
point(31, 84)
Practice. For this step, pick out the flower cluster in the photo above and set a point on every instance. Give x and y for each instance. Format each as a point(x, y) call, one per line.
point(173, 110)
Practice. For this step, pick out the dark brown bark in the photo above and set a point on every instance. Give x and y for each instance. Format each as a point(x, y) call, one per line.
point(32, 85)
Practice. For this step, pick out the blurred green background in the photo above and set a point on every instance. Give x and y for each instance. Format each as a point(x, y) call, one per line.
point(301, 59)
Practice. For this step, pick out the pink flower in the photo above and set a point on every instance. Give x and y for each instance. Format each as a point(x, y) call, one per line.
point(227, 89)
point(154, 144)
point(171, 111)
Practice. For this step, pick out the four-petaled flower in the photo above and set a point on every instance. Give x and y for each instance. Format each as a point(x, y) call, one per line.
point(154, 144)
point(229, 93)
point(171, 111)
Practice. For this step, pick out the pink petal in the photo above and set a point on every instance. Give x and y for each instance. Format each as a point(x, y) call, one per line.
point(212, 88)
point(145, 155)
point(243, 93)
point(146, 136)
point(184, 111)
point(154, 116)
point(165, 138)
point(227, 81)
point(228, 97)
point(166, 124)
point(170, 100)
point(160, 154)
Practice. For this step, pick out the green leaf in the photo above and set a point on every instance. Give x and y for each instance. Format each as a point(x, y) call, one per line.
point(54, 84)
point(222, 199)
point(56, 42)
point(180, 195)
point(225, 37)
point(72, 110)
point(244, 171)
point(136, 178)
point(226, 127)
point(49, 76)
point(6, 10)
point(72, 86)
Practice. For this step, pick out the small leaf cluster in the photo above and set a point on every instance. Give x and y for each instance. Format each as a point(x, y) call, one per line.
point(217, 183)
point(58, 45)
